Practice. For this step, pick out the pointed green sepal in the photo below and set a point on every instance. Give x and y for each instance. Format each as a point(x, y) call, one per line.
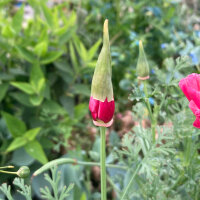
point(101, 82)
point(142, 64)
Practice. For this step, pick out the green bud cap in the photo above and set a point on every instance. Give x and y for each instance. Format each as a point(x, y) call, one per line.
point(23, 172)
point(101, 82)
point(142, 64)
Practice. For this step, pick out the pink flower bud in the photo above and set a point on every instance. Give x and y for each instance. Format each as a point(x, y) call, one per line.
point(102, 112)
point(102, 103)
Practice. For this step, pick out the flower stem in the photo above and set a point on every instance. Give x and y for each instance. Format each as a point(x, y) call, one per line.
point(153, 121)
point(130, 182)
point(6, 167)
point(61, 161)
point(103, 162)
point(7, 172)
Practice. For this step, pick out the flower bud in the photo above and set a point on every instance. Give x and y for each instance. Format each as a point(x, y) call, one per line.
point(142, 64)
point(102, 103)
point(23, 172)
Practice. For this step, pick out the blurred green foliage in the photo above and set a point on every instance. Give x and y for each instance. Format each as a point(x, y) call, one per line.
point(47, 58)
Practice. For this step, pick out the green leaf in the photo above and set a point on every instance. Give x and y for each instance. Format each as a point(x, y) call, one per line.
point(7, 31)
point(32, 133)
point(53, 107)
point(26, 54)
point(93, 50)
point(16, 143)
point(4, 2)
point(83, 52)
point(81, 89)
point(80, 111)
point(21, 158)
point(41, 48)
point(25, 87)
point(3, 90)
point(35, 150)
point(47, 14)
point(15, 126)
point(67, 35)
point(22, 98)
point(73, 57)
point(36, 100)
point(64, 67)
point(37, 79)
point(18, 19)
point(83, 196)
point(51, 57)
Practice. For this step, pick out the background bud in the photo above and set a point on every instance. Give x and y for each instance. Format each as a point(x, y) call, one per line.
point(23, 172)
point(142, 65)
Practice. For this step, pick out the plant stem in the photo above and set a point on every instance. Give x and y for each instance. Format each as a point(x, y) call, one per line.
point(6, 167)
point(72, 161)
point(153, 121)
point(103, 162)
point(130, 182)
point(7, 172)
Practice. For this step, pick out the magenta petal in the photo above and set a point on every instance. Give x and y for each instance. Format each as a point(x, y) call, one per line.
point(194, 108)
point(195, 96)
point(94, 107)
point(106, 110)
point(192, 81)
point(196, 123)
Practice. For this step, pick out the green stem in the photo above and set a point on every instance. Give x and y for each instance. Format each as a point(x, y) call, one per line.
point(131, 180)
point(7, 167)
point(153, 121)
point(72, 161)
point(7, 172)
point(103, 162)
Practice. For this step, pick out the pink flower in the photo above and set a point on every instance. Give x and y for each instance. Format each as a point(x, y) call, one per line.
point(102, 104)
point(102, 112)
point(190, 86)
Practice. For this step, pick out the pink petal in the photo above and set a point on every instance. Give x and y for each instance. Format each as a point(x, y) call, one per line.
point(94, 107)
point(195, 96)
point(106, 110)
point(192, 81)
point(194, 108)
point(196, 123)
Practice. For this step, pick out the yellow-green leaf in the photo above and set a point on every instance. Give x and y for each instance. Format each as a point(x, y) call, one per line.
point(35, 150)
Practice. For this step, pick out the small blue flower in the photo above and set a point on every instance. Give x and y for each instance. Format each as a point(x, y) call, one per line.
point(141, 87)
point(132, 35)
point(194, 58)
point(152, 71)
point(151, 100)
point(137, 42)
point(18, 5)
point(163, 45)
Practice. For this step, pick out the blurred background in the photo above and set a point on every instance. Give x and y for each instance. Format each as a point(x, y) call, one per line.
point(48, 52)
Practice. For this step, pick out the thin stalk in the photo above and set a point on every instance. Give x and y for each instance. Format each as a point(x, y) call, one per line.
point(103, 162)
point(153, 121)
point(130, 182)
point(7, 172)
point(7, 167)
point(72, 161)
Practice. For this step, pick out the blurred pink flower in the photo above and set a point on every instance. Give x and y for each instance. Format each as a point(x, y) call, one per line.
point(190, 86)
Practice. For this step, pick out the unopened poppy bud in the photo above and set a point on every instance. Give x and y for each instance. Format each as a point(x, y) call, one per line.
point(23, 172)
point(102, 105)
point(142, 64)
